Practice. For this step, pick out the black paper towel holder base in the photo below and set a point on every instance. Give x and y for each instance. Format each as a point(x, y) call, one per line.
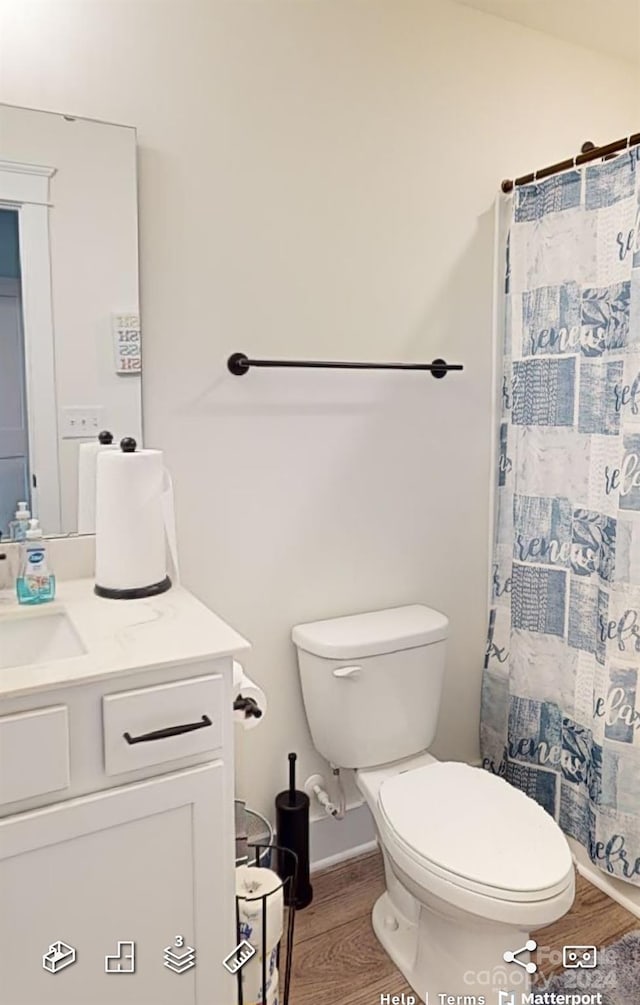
point(137, 593)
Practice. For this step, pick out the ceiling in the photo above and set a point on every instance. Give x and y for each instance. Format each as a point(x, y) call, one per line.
point(609, 26)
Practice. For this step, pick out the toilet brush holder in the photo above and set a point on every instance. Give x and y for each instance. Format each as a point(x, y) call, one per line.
point(292, 828)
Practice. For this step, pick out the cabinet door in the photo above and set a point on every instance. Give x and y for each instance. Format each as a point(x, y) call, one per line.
point(142, 864)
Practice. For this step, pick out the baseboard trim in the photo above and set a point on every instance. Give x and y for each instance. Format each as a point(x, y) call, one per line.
point(343, 856)
point(333, 841)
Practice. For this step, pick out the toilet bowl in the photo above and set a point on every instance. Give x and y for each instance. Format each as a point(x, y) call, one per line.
point(472, 865)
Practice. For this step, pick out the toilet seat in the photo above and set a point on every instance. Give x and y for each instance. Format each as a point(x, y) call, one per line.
point(475, 831)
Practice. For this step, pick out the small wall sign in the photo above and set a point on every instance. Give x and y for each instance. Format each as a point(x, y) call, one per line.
point(127, 343)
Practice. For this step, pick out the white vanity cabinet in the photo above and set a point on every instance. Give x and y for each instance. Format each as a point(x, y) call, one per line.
point(117, 828)
point(139, 863)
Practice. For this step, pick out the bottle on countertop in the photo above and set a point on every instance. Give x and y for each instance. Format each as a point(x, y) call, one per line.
point(36, 583)
point(18, 528)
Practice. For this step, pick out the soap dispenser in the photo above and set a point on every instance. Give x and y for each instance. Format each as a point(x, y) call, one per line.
point(18, 528)
point(36, 583)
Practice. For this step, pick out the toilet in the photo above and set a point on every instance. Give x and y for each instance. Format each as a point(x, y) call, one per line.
point(472, 865)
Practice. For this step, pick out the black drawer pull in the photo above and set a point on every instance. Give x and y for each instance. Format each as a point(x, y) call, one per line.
point(162, 734)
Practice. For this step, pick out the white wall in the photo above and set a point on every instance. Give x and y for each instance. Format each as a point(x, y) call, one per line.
point(94, 266)
point(612, 27)
point(317, 179)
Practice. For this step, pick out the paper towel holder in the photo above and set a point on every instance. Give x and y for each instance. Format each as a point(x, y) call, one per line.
point(137, 593)
point(128, 445)
point(284, 951)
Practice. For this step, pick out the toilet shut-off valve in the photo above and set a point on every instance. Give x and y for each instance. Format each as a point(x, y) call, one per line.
point(315, 787)
point(323, 799)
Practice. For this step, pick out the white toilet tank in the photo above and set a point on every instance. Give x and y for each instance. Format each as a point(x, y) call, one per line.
point(372, 682)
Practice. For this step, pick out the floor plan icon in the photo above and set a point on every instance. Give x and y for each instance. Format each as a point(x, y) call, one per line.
point(123, 961)
point(58, 956)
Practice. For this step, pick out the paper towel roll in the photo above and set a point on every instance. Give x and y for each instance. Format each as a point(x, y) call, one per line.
point(253, 885)
point(252, 993)
point(244, 687)
point(131, 553)
point(257, 998)
point(87, 463)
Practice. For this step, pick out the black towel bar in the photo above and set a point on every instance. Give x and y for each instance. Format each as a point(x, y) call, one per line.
point(239, 364)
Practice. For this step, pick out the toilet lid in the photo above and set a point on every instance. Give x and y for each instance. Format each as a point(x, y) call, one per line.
point(476, 827)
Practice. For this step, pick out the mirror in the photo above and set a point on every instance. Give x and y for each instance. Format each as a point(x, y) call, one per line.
point(70, 350)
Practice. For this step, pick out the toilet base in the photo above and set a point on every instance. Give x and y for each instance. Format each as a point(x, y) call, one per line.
point(444, 954)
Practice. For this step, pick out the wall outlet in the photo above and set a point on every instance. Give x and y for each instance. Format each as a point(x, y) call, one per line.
point(81, 421)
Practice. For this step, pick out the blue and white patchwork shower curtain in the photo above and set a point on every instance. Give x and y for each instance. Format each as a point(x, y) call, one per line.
point(561, 687)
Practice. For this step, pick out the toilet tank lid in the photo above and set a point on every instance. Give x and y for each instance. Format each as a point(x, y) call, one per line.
point(373, 633)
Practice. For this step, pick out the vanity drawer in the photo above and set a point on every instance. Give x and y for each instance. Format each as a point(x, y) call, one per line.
point(34, 753)
point(164, 723)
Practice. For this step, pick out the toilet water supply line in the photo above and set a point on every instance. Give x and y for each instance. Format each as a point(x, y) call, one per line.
point(337, 812)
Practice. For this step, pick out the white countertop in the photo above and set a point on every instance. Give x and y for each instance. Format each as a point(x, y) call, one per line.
point(120, 636)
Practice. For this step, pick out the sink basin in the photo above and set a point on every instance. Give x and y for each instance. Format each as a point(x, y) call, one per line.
point(37, 638)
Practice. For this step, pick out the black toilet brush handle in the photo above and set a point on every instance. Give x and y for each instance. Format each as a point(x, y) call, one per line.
point(292, 779)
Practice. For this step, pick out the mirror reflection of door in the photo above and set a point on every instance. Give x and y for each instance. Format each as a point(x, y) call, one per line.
point(68, 275)
point(14, 439)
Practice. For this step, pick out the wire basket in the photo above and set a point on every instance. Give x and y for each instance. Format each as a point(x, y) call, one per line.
point(252, 830)
point(279, 960)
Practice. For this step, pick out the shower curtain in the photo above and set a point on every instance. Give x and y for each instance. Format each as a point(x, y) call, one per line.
point(561, 689)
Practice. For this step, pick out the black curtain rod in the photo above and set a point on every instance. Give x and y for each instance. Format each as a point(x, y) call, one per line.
point(589, 152)
point(239, 364)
